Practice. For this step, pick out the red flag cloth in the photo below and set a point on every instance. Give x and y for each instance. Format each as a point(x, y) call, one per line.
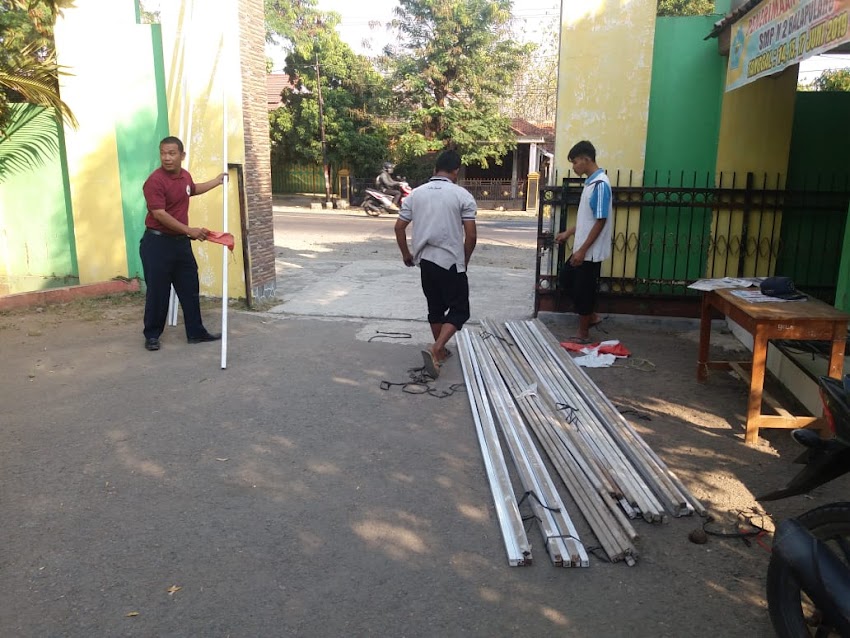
point(225, 239)
point(617, 349)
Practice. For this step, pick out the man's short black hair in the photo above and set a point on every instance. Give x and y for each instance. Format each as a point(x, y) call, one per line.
point(448, 162)
point(172, 140)
point(582, 149)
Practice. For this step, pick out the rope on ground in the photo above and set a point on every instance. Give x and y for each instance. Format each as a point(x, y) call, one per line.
point(381, 334)
point(638, 415)
point(744, 521)
point(420, 383)
point(643, 365)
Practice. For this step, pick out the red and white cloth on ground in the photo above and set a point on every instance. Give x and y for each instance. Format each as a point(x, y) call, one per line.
point(597, 355)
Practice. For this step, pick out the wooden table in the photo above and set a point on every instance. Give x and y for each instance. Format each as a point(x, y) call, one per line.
point(798, 320)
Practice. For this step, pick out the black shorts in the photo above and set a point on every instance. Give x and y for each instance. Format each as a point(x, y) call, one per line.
point(580, 283)
point(447, 293)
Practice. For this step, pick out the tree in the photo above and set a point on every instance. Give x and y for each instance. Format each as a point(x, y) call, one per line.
point(833, 80)
point(290, 20)
point(29, 74)
point(685, 7)
point(535, 92)
point(354, 100)
point(28, 69)
point(454, 64)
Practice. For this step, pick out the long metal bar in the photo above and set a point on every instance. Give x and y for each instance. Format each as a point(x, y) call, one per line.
point(591, 498)
point(596, 435)
point(646, 472)
point(560, 535)
point(510, 521)
point(688, 503)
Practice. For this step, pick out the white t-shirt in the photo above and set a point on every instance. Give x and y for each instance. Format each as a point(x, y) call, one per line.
point(437, 211)
point(595, 203)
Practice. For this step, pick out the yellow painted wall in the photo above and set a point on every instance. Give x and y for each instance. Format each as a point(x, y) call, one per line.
point(604, 75)
point(755, 136)
point(605, 69)
point(88, 44)
point(202, 70)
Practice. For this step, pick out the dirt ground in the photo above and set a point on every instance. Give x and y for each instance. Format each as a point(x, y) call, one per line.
point(152, 494)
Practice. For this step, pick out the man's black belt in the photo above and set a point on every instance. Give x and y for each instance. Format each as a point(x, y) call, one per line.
point(159, 233)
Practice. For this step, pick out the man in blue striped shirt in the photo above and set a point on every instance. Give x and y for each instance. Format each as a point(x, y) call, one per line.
point(592, 244)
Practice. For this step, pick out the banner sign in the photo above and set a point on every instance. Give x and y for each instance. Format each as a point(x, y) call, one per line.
point(778, 33)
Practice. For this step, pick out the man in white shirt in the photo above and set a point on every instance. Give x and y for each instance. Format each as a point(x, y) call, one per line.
point(444, 236)
point(592, 243)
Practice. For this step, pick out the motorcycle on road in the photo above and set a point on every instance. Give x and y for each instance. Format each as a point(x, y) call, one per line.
point(375, 202)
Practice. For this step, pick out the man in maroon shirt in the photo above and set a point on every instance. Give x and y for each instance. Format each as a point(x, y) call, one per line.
point(166, 249)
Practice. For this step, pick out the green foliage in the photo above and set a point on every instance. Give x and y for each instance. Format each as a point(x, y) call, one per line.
point(833, 80)
point(28, 70)
point(290, 20)
point(685, 7)
point(30, 138)
point(354, 97)
point(453, 66)
point(29, 73)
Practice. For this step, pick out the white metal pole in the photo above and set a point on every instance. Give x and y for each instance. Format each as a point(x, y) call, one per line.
point(185, 113)
point(224, 255)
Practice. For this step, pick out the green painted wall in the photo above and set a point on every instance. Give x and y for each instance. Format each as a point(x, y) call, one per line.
point(37, 246)
point(820, 140)
point(685, 97)
point(139, 128)
point(681, 145)
point(842, 295)
point(819, 161)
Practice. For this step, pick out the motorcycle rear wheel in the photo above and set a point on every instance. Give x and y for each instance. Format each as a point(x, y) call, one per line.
point(371, 210)
point(791, 611)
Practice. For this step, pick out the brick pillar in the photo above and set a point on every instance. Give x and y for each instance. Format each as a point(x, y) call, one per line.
point(257, 169)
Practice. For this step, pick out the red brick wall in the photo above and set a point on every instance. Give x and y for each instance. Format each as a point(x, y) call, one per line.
point(257, 169)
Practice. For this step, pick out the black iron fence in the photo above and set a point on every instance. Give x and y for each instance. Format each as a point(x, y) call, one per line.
point(483, 190)
point(671, 230)
point(495, 190)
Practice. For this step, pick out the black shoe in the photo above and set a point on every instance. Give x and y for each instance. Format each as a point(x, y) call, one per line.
point(210, 336)
point(152, 344)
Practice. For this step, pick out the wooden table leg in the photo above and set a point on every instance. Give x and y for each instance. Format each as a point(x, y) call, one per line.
point(704, 338)
point(836, 357)
point(756, 385)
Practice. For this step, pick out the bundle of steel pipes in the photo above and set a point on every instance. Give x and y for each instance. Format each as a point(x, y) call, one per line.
point(609, 470)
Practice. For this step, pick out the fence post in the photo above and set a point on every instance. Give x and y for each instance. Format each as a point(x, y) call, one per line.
point(344, 182)
point(748, 207)
point(532, 191)
point(842, 290)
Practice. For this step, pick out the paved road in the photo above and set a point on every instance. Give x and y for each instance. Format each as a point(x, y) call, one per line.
point(520, 233)
point(347, 266)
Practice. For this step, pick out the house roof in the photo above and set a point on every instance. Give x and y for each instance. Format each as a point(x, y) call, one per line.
point(276, 83)
point(525, 129)
point(732, 17)
point(543, 134)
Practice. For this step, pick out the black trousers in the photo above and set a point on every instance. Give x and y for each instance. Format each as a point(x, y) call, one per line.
point(169, 261)
point(447, 293)
point(581, 284)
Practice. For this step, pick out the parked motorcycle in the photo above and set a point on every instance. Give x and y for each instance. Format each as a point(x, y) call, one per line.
point(375, 202)
point(808, 579)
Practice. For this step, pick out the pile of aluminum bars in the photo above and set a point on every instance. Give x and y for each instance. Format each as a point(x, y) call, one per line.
point(609, 470)
point(486, 389)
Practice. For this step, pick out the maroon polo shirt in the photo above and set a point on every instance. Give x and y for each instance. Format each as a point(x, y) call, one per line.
point(169, 192)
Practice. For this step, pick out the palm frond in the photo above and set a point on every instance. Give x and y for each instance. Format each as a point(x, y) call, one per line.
point(30, 139)
point(37, 82)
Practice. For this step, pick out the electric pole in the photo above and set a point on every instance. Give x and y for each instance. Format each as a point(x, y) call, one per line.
point(325, 168)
